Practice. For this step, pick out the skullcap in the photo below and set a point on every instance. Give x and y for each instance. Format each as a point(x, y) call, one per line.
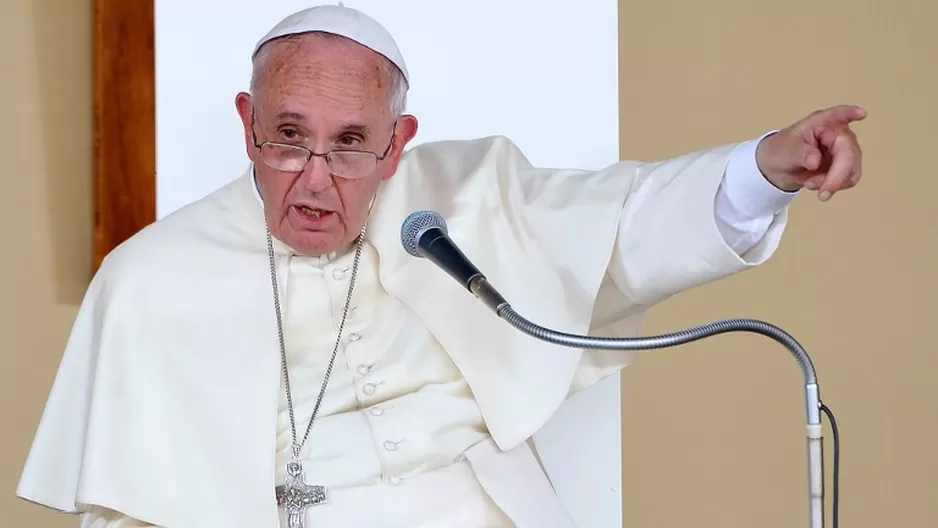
point(342, 21)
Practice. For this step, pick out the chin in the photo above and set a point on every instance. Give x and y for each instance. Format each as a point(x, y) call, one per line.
point(311, 238)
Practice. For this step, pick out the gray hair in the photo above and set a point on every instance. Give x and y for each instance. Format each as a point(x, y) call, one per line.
point(397, 91)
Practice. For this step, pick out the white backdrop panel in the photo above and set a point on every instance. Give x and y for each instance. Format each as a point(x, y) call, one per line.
point(544, 74)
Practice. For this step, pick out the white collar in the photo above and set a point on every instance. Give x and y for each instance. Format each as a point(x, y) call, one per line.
point(254, 189)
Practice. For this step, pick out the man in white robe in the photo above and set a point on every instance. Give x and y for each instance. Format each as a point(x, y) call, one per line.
point(171, 409)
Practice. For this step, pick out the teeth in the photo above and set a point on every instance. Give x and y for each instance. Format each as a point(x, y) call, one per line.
point(312, 212)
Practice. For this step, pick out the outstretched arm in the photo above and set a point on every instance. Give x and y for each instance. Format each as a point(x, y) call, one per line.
point(705, 216)
point(708, 215)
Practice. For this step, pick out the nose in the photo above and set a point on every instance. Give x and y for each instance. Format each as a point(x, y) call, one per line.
point(316, 176)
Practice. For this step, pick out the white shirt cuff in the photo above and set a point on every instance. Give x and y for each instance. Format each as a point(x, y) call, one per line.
point(745, 188)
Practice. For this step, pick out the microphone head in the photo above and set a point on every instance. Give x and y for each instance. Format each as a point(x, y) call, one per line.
point(415, 225)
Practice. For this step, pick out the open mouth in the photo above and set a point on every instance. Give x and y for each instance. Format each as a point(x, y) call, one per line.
point(312, 214)
point(315, 213)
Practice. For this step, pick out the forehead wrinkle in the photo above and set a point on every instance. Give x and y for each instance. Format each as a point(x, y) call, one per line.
point(324, 85)
point(335, 58)
point(311, 62)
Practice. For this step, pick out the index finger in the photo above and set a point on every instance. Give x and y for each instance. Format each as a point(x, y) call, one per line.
point(843, 114)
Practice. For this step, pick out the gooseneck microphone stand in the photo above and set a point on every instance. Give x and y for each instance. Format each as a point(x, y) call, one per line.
point(481, 288)
point(424, 235)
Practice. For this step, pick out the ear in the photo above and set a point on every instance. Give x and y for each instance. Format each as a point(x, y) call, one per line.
point(404, 132)
point(244, 103)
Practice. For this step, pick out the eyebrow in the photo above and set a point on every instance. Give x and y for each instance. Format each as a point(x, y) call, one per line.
point(361, 129)
point(364, 130)
point(291, 115)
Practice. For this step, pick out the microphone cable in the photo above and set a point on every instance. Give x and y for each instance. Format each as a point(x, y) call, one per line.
point(836, 483)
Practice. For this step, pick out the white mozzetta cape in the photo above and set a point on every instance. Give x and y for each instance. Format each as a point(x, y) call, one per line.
point(165, 404)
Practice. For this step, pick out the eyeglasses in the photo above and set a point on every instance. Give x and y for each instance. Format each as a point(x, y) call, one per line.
point(349, 164)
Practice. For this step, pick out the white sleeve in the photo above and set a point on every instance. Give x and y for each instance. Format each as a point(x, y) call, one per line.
point(746, 202)
point(96, 517)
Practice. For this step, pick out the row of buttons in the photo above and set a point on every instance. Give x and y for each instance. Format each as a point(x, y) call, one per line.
point(388, 445)
point(370, 388)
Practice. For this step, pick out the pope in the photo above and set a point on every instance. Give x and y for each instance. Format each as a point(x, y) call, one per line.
point(271, 356)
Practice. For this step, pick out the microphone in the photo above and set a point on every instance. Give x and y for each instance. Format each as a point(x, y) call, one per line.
point(424, 235)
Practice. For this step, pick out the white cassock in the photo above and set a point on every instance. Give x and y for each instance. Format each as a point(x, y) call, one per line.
point(169, 410)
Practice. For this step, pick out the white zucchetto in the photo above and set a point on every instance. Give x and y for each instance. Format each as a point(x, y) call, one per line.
point(343, 21)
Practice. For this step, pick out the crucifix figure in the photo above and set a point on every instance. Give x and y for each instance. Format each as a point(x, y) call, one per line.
point(295, 495)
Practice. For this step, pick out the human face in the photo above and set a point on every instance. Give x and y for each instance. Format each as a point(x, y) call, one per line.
point(324, 94)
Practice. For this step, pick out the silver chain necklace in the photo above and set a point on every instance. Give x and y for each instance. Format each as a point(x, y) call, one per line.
point(295, 495)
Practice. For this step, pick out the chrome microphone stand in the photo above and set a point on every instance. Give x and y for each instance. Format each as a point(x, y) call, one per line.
point(484, 291)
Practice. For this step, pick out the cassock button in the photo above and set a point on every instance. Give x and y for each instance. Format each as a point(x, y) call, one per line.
point(390, 446)
point(364, 369)
point(354, 337)
point(339, 274)
point(369, 388)
point(376, 411)
point(394, 481)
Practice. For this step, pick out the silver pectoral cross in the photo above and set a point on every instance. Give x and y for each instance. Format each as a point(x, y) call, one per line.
point(295, 495)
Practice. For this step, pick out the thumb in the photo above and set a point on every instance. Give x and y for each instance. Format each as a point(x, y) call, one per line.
point(807, 156)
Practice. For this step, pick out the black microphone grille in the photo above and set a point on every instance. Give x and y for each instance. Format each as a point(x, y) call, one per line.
point(415, 225)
